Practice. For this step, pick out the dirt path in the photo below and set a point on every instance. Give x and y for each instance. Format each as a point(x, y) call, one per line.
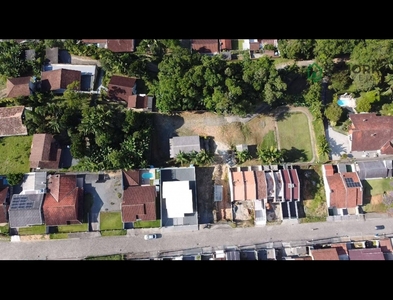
point(310, 126)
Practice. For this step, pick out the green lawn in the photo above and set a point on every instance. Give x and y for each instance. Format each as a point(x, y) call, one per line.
point(110, 221)
point(373, 187)
point(114, 232)
point(280, 60)
point(36, 229)
point(269, 140)
point(73, 228)
point(294, 136)
point(14, 154)
point(147, 224)
point(58, 236)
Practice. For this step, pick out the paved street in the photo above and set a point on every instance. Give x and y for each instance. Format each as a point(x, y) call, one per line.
point(170, 241)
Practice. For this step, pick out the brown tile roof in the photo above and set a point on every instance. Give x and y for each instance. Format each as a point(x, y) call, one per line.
point(337, 191)
point(59, 79)
point(94, 41)
point(295, 180)
point(366, 254)
point(226, 44)
point(254, 46)
point(205, 46)
point(354, 194)
point(120, 87)
point(329, 169)
point(238, 186)
point(287, 182)
point(250, 186)
point(131, 178)
point(11, 121)
point(341, 248)
point(139, 202)
point(3, 207)
point(261, 185)
point(386, 245)
point(371, 132)
point(325, 254)
point(120, 45)
point(45, 153)
point(61, 203)
point(137, 101)
point(17, 87)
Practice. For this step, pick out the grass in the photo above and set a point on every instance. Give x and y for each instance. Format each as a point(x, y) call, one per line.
point(269, 140)
point(5, 230)
point(58, 236)
point(114, 232)
point(294, 137)
point(147, 224)
point(374, 187)
point(73, 228)
point(107, 257)
point(280, 60)
point(319, 130)
point(110, 221)
point(36, 229)
point(14, 154)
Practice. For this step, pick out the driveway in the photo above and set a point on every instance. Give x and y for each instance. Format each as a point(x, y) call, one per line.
point(338, 142)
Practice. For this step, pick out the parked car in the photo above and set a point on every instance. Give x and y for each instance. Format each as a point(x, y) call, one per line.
point(150, 236)
point(379, 227)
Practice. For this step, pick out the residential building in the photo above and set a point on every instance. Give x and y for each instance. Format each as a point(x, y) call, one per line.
point(63, 202)
point(20, 87)
point(370, 134)
point(211, 46)
point(26, 207)
point(4, 199)
point(324, 254)
point(366, 254)
point(11, 121)
point(139, 197)
point(185, 144)
point(178, 198)
point(344, 191)
point(113, 44)
point(121, 88)
point(141, 102)
point(45, 152)
point(58, 80)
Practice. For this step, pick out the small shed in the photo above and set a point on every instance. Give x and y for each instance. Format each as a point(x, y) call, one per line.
point(241, 147)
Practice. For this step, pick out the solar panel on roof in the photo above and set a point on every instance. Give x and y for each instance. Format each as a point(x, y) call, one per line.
point(351, 183)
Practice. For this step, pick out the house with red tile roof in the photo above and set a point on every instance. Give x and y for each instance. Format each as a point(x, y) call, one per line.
point(112, 44)
point(63, 202)
point(342, 250)
point(45, 152)
point(19, 87)
point(386, 247)
point(370, 133)
point(11, 121)
point(141, 102)
point(139, 198)
point(324, 254)
point(344, 191)
point(122, 88)
point(211, 46)
point(58, 80)
point(366, 254)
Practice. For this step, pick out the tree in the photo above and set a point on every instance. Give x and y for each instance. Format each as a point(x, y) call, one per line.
point(340, 81)
point(333, 112)
point(204, 158)
point(296, 49)
point(243, 156)
point(14, 178)
point(182, 158)
point(387, 109)
point(270, 155)
point(323, 145)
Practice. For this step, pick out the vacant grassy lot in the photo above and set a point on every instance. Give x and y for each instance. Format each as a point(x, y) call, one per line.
point(73, 228)
point(294, 135)
point(110, 221)
point(269, 140)
point(373, 190)
point(37, 229)
point(147, 224)
point(14, 154)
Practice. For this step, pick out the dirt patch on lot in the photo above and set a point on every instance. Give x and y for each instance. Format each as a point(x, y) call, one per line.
point(224, 131)
point(34, 237)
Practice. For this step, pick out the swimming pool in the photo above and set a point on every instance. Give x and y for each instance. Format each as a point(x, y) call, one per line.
point(344, 102)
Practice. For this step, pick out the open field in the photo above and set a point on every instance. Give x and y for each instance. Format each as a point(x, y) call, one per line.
point(14, 154)
point(294, 137)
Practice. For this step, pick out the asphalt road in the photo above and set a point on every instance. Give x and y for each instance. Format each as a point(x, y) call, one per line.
point(76, 249)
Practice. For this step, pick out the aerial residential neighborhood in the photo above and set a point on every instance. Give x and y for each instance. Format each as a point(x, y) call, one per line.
point(166, 146)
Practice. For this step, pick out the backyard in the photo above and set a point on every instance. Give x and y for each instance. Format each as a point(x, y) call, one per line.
point(110, 221)
point(373, 195)
point(294, 137)
point(14, 154)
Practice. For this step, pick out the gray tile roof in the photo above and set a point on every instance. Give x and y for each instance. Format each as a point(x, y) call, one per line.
point(371, 169)
point(184, 143)
point(25, 210)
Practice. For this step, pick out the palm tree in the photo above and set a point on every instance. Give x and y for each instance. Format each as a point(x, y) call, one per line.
point(270, 155)
point(204, 157)
point(182, 158)
point(323, 146)
point(243, 156)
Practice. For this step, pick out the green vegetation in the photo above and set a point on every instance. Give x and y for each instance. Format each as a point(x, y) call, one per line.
point(5, 230)
point(36, 229)
point(110, 221)
point(73, 228)
point(114, 232)
point(107, 257)
point(294, 134)
point(14, 154)
point(58, 236)
point(374, 187)
point(147, 224)
point(269, 140)
point(320, 132)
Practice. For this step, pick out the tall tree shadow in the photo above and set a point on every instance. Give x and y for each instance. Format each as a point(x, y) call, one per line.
point(280, 113)
point(336, 149)
point(294, 155)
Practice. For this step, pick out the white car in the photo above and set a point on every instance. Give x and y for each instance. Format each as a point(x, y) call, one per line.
point(150, 236)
